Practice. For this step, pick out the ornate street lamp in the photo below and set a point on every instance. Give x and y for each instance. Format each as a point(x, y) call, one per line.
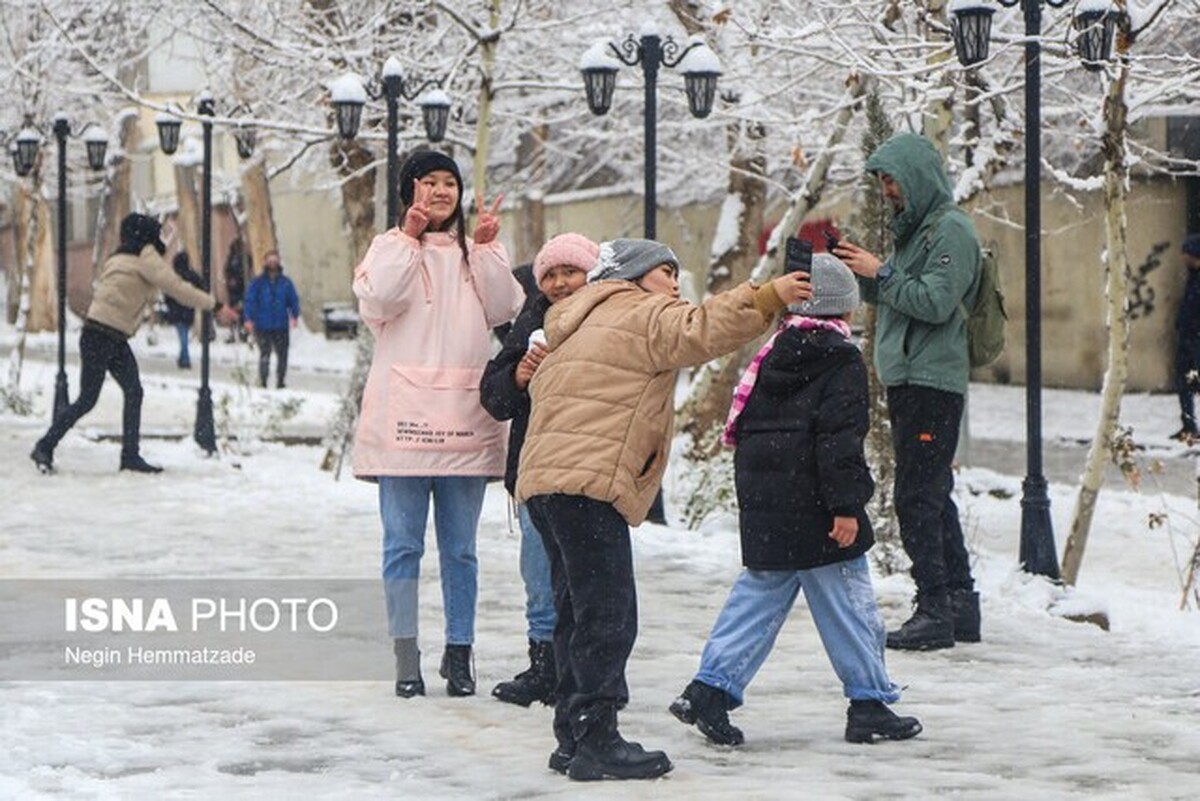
point(204, 430)
point(245, 137)
point(168, 131)
point(1095, 23)
point(700, 67)
point(96, 142)
point(600, 63)
point(25, 149)
point(349, 95)
point(1038, 552)
point(971, 27)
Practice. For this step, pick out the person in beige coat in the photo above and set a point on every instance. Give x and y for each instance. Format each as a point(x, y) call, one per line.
point(129, 280)
point(593, 459)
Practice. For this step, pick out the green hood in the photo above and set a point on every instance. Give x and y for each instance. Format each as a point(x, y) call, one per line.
point(914, 163)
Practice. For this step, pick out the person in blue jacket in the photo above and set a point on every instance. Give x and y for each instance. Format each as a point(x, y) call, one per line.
point(272, 309)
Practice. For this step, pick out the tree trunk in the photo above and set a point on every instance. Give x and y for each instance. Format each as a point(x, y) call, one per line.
point(352, 161)
point(1116, 177)
point(487, 70)
point(25, 232)
point(187, 220)
point(43, 296)
point(115, 197)
point(259, 228)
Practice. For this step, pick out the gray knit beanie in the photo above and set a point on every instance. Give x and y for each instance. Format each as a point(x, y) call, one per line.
point(835, 289)
point(630, 259)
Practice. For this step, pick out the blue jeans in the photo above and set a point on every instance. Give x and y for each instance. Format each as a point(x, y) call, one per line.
point(404, 509)
point(842, 602)
point(535, 573)
point(184, 330)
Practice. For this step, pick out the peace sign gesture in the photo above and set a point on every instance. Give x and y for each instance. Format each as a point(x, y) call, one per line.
point(416, 219)
point(488, 224)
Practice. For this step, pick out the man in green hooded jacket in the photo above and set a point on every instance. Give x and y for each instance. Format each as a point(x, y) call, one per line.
point(921, 294)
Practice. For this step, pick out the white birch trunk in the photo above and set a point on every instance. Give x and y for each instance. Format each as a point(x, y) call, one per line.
point(1116, 179)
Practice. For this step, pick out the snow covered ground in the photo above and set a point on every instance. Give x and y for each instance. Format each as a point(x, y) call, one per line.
point(1043, 708)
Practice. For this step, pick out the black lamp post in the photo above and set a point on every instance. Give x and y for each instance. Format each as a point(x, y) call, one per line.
point(349, 95)
point(971, 26)
point(204, 430)
point(96, 142)
point(599, 66)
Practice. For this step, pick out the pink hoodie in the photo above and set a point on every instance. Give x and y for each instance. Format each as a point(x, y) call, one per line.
point(432, 315)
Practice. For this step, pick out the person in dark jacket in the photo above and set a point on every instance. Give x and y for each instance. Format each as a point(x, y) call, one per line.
point(272, 309)
point(1187, 346)
point(798, 420)
point(235, 285)
point(560, 269)
point(920, 295)
point(180, 316)
point(129, 280)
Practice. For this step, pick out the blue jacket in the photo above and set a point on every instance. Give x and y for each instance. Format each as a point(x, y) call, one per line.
point(270, 304)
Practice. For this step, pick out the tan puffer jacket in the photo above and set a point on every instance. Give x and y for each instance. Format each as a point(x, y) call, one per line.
point(128, 283)
point(603, 409)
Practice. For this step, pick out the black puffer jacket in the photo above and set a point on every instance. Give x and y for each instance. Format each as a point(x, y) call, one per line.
point(498, 392)
point(799, 458)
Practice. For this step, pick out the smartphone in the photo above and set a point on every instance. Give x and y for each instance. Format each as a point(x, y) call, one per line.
point(798, 256)
point(831, 241)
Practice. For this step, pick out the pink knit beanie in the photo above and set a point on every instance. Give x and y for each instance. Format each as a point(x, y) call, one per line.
point(574, 250)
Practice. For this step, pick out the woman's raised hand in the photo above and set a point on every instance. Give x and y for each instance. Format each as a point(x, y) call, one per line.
point(488, 224)
point(416, 219)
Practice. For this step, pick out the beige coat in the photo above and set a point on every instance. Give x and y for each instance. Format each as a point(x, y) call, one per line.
point(128, 283)
point(603, 408)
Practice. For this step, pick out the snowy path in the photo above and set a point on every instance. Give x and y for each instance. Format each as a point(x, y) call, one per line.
point(1044, 708)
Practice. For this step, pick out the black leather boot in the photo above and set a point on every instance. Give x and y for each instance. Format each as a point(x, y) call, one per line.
point(137, 464)
point(601, 752)
point(866, 720)
point(931, 626)
point(966, 615)
point(537, 683)
point(408, 668)
point(708, 708)
point(456, 670)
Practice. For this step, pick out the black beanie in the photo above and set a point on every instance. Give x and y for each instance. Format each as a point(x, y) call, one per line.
point(139, 230)
point(419, 164)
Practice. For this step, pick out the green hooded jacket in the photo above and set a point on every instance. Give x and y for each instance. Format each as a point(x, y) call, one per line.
point(921, 335)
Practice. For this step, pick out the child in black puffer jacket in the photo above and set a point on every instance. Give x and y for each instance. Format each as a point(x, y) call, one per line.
point(799, 417)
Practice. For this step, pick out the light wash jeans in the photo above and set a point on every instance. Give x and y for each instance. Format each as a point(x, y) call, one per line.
point(842, 602)
point(535, 573)
point(404, 509)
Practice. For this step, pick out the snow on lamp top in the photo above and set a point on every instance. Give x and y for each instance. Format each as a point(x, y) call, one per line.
point(392, 68)
point(700, 59)
point(960, 6)
point(434, 97)
point(599, 57)
point(1095, 7)
point(649, 28)
point(348, 89)
point(96, 134)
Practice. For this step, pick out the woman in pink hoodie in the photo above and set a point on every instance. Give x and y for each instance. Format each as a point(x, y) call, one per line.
point(431, 299)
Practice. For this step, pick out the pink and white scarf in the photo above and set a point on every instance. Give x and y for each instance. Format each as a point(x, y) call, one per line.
point(746, 385)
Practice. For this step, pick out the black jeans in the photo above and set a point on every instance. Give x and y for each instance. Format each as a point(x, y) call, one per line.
point(925, 424)
point(591, 571)
point(103, 351)
point(278, 342)
point(1187, 377)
